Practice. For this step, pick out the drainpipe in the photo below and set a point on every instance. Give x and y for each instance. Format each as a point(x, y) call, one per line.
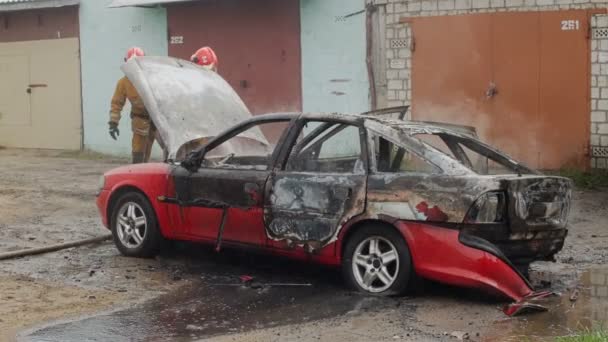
point(370, 8)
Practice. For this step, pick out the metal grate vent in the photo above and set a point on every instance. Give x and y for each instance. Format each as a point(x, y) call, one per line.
point(600, 33)
point(398, 43)
point(597, 151)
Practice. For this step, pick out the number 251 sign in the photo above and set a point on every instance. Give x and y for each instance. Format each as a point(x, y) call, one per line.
point(570, 25)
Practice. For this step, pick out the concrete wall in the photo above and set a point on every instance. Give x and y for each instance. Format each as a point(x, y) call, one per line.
point(105, 35)
point(398, 55)
point(334, 73)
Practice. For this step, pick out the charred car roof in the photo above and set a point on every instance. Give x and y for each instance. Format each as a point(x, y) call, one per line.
point(400, 132)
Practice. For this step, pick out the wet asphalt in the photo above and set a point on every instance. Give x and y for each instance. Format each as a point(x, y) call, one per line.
point(217, 301)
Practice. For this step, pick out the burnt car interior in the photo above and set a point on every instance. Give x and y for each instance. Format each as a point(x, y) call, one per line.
point(475, 155)
point(393, 158)
point(324, 149)
point(241, 152)
point(465, 148)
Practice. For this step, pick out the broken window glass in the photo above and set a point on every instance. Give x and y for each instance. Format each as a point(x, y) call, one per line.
point(437, 142)
point(394, 158)
point(327, 147)
point(470, 153)
point(484, 165)
point(242, 152)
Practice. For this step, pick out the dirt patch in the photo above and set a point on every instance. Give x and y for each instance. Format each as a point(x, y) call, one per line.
point(47, 200)
point(27, 302)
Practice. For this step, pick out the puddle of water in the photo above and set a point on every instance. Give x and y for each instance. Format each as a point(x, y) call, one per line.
point(564, 317)
point(213, 306)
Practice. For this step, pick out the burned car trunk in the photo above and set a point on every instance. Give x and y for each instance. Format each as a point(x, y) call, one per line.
point(534, 227)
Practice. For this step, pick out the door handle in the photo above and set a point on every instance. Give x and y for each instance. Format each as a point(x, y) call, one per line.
point(37, 85)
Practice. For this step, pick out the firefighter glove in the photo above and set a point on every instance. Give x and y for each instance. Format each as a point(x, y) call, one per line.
point(114, 132)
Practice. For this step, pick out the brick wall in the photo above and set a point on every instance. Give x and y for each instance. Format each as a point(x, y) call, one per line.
point(398, 55)
point(599, 91)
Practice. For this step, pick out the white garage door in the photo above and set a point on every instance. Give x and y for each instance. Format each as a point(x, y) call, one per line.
point(40, 94)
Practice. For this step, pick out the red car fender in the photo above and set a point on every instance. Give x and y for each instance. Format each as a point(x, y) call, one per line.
point(438, 254)
point(153, 182)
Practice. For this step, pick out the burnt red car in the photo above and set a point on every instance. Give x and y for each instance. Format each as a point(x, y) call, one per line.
point(382, 198)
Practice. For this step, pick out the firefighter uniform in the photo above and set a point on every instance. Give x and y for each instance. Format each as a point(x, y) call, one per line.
point(143, 128)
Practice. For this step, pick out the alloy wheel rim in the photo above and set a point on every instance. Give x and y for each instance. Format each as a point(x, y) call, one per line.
point(375, 264)
point(131, 225)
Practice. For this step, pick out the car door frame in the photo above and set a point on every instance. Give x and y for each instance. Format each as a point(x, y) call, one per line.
point(360, 193)
point(214, 202)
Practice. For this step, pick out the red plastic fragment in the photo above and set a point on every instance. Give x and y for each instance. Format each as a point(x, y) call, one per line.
point(246, 278)
point(528, 304)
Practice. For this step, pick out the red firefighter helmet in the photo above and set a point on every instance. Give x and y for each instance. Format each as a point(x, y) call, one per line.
point(134, 52)
point(206, 58)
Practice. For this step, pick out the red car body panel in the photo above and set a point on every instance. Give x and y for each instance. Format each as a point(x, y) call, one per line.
point(153, 180)
point(150, 179)
point(437, 254)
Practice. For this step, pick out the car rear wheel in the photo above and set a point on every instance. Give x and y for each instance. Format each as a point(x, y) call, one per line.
point(134, 226)
point(377, 260)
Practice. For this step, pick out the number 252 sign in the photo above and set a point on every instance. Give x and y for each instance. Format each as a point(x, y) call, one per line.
point(570, 25)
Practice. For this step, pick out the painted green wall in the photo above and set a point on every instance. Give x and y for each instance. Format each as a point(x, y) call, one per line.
point(105, 36)
point(334, 73)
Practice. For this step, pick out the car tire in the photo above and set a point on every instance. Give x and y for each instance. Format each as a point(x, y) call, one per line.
point(386, 270)
point(134, 226)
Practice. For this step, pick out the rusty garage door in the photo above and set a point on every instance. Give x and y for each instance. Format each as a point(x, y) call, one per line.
point(521, 78)
point(40, 79)
point(257, 43)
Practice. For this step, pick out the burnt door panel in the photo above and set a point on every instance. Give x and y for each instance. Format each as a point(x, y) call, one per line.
point(204, 194)
point(309, 209)
point(322, 185)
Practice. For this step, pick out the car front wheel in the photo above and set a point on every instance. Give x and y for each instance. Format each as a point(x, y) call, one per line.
point(134, 226)
point(377, 261)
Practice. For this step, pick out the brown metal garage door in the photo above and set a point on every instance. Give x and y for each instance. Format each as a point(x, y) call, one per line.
point(257, 43)
point(521, 78)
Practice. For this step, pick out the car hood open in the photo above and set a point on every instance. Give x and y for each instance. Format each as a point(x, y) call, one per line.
point(186, 102)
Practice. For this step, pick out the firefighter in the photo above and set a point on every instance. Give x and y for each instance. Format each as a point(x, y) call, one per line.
point(206, 58)
point(142, 126)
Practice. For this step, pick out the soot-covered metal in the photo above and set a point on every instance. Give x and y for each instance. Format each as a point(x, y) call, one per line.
point(310, 208)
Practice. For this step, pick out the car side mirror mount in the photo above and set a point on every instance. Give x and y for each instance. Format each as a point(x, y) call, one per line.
point(194, 160)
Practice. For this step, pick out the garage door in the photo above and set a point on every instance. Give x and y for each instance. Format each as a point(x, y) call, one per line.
point(521, 78)
point(257, 43)
point(14, 100)
point(40, 94)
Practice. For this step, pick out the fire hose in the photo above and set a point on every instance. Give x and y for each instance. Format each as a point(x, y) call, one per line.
point(53, 248)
